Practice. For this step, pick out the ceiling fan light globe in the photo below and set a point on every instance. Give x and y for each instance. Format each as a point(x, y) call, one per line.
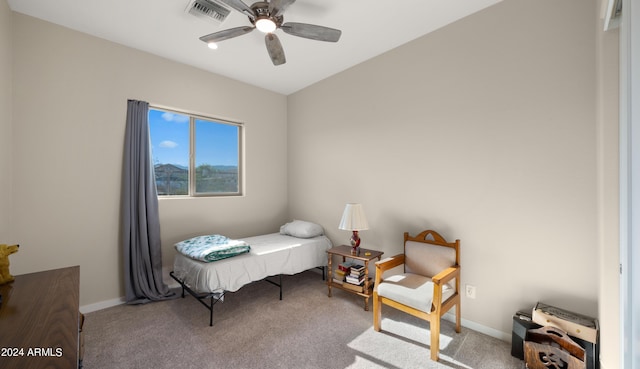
point(212, 45)
point(265, 25)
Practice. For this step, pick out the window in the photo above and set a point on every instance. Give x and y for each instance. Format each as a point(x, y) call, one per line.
point(194, 155)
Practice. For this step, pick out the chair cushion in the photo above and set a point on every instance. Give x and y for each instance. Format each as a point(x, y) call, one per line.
point(412, 290)
point(427, 259)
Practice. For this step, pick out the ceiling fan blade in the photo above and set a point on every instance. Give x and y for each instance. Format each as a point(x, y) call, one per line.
point(241, 7)
point(274, 47)
point(312, 31)
point(276, 7)
point(226, 34)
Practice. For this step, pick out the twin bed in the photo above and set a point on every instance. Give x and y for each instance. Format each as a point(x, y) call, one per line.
point(221, 265)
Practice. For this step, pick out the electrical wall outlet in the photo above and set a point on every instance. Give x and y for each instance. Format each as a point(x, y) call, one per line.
point(470, 291)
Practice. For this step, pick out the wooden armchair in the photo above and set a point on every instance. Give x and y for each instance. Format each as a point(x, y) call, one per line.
point(429, 286)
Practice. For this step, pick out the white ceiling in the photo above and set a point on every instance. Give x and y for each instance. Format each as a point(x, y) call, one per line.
point(162, 27)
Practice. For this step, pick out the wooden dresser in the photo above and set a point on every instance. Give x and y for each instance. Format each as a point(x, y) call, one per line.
point(39, 320)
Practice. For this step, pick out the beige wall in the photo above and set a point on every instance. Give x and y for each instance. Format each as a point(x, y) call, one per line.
point(6, 142)
point(485, 131)
point(70, 94)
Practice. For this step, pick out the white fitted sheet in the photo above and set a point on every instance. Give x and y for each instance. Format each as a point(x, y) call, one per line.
point(271, 254)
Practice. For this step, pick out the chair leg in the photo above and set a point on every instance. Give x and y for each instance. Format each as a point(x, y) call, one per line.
point(458, 317)
point(377, 312)
point(434, 327)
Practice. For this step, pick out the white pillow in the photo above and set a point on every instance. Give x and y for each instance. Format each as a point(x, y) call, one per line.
point(302, 229)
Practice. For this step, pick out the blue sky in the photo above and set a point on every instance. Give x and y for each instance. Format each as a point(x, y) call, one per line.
point(216, 143)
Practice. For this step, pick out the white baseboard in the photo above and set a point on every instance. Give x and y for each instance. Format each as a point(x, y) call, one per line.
point(102, 305)
point(172, 284)
point(479, 327)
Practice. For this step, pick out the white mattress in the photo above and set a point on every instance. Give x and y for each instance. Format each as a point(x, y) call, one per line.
point(271, 254)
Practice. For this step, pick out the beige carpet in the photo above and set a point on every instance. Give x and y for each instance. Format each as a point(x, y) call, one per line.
point(253, 329)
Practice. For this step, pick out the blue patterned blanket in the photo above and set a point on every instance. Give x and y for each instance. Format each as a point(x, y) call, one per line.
point(212, 247)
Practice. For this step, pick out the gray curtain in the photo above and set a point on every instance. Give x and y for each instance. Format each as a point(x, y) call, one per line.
point(140, 220)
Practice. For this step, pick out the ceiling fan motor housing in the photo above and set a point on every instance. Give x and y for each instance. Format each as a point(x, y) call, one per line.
point(261, 10)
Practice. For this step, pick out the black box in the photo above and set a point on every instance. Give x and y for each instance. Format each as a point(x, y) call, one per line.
point(522, 322)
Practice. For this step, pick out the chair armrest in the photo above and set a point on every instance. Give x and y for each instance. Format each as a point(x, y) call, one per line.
point(438, 281)
point(386, 264)
point(446, 275)
point(390, 262)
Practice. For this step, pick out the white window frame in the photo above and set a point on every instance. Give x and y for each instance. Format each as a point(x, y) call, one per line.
point(192, 151)
point(630, 185)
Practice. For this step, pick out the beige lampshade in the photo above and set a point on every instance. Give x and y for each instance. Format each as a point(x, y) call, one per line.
point(353, 218)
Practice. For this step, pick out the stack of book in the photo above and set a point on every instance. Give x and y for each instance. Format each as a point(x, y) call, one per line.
point(341, 272)
point(355, 278)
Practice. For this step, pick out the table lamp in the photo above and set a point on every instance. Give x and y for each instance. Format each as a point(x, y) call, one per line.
point(353, 219)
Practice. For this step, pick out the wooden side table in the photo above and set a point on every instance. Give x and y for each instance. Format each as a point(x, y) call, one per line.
point(364, 255)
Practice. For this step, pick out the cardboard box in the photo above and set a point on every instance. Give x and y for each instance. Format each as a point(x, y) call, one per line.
point(576, 325)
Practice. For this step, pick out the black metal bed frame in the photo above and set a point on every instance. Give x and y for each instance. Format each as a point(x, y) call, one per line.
point(215, 297)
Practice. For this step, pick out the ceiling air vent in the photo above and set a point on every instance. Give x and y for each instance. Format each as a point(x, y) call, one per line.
point(208, 10)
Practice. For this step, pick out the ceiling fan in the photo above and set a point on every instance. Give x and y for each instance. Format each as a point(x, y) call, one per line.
point(266, 16)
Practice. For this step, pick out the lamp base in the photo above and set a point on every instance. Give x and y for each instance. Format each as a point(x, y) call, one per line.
point(355, 243)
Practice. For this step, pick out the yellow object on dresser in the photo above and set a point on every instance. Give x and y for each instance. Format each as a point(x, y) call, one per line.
point(5, 251)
